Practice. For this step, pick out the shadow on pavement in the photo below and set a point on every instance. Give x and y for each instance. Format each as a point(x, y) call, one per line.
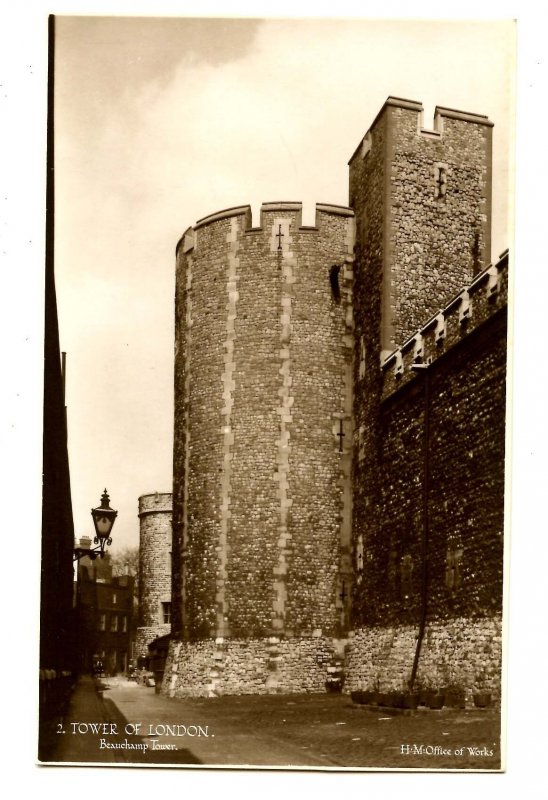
point(83, 740)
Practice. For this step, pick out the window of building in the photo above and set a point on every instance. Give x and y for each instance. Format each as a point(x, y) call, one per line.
point(114, 598)
point(392, 567)
point(124, 624)
point(166, 613)
point(359, 553)
point(440, 181)
point(361, 443)
point(362, 357)
point(453, 566)
point(334, 273)
point(102, 623)
point(114, 623)
point(406, 573)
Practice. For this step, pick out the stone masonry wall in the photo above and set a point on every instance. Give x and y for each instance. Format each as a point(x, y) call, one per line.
point(465, 487)
point(453, 524)
point(263, 424)
point(419, 240)
point(248, 666)
point(155, 511)
point(438, 224)
point(460, 653)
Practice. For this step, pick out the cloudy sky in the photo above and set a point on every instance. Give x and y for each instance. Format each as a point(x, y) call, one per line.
point(159, 122)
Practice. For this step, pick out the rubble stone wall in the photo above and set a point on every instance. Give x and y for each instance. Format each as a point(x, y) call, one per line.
point(263, 424)
point(212, 668)
point(461, 653)
point(458, 504)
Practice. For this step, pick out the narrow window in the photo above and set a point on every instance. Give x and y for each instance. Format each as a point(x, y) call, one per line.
point(102, 622)
point(166, 613)
point(334, 273)
point(453, 564)
point(440, 181)
point(392, 568)
point(362, 357)
point(114, 623)
point(361, 443)
point(359, 553)
point(406, 572)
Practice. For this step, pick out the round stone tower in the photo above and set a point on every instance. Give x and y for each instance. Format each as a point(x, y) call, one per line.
point(262, 450)
point(154, 569)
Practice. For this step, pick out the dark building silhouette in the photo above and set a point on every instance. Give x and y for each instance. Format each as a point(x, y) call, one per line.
point(57, 640)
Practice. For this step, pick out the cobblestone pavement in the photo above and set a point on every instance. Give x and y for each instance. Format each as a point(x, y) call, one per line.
point(278, 730)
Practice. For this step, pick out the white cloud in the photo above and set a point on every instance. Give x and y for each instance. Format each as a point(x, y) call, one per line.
point(146, 145)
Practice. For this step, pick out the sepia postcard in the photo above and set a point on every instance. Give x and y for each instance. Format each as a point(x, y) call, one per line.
point(275, 517)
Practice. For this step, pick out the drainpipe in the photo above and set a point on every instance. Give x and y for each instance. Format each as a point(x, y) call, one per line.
point(425, 521)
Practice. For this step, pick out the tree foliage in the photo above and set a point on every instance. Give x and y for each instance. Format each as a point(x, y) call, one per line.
point(126, 562)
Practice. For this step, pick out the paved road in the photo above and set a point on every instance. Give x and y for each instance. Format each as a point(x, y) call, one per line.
point(275, 730)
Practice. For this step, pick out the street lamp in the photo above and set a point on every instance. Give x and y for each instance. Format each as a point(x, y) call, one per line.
point(103, 520)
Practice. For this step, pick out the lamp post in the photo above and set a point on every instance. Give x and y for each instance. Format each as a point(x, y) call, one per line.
point(103, 520)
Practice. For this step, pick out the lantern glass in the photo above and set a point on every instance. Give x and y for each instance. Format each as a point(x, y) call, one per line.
point(103, 518)
point(103, 526)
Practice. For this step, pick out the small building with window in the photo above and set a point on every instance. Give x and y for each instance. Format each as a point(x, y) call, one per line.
point(104, 605)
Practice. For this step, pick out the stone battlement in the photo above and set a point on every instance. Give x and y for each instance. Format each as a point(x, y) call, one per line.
point(440, 113)
point(155, 503)
point(188, 240)
point(464, 313)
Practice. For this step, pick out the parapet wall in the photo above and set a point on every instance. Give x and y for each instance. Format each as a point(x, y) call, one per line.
point(189, 239)
point(478, 301)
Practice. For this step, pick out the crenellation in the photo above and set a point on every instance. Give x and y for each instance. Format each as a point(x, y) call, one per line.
point(324, 211)
point(466, 311)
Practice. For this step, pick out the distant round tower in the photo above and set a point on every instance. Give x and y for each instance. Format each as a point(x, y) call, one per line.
point(262, 450)
point(154, 569)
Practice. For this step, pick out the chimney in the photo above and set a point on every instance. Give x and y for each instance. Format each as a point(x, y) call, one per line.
point(85, 542)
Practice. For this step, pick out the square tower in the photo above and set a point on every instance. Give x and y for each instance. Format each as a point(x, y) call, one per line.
point(422, 200)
